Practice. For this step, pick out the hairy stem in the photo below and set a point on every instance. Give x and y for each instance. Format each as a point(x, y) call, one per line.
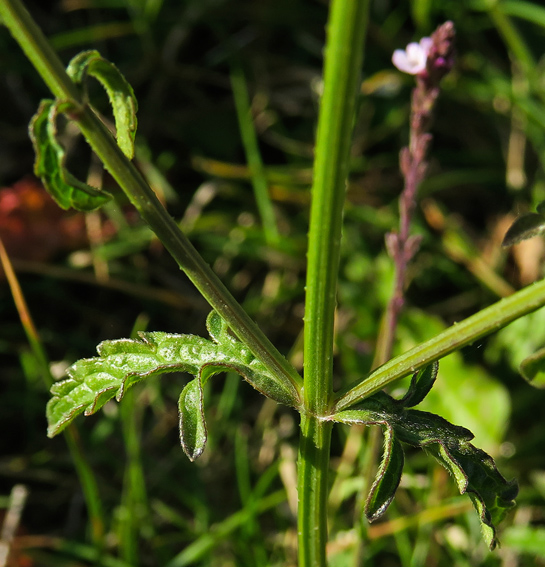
point(460, 334)
point(344, 54)
point(47, 63)
point(313, 490)
point(343, 59)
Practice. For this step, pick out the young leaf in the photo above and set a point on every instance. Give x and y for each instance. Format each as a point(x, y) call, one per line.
point(192, 424)
point(532, 369)
point(389, 473)
point(474, 471)
point(121, 363)
point(49, 163)
point(421, 383)
point(119, 91)
point(525, 227)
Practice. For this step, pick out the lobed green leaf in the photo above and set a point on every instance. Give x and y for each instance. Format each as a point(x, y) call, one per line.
point(124, 362)
point(257, 374)
point(474, 471)
point(49, 165)
point(477, 475)
point(119, 91)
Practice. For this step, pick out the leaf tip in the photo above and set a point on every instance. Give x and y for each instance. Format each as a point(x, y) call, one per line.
point(524, 227)
point(532, 369)
point(193, 433)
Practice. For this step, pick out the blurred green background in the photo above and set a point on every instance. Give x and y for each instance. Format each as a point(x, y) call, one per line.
point(103, 276)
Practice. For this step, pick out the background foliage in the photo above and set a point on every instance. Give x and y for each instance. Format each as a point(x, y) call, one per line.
point(104, 276)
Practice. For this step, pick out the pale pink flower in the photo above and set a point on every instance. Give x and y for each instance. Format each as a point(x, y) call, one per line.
point(413, 59)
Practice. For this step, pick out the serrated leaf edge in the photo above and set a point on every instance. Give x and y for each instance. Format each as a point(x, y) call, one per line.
point(448, 461)
point(248, 369)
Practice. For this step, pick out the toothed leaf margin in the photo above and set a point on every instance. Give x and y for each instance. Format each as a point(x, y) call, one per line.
point(122, 363)
point(474, 471)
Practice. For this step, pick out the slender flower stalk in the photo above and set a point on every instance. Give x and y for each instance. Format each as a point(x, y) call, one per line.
point(429, 60)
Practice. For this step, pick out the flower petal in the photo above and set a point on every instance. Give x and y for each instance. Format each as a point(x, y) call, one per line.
point(400, 60)
point(412, 60)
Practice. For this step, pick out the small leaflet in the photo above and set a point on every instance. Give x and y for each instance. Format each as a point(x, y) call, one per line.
point(192, 424)
point(119, 91)
point(49, 165)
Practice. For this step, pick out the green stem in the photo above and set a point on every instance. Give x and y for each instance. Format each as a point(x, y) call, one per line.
point(455, 337)
point(313, 489)
point(343, 60)
point(32, 41)
point(344, 55)
point(46, 61)
point(253, 157)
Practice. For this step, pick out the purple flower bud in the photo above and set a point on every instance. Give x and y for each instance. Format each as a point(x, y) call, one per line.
point(392, 244)
point(441, 54)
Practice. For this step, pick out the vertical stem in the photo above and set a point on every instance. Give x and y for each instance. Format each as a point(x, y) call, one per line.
point(343, 59)
point(313, 489)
